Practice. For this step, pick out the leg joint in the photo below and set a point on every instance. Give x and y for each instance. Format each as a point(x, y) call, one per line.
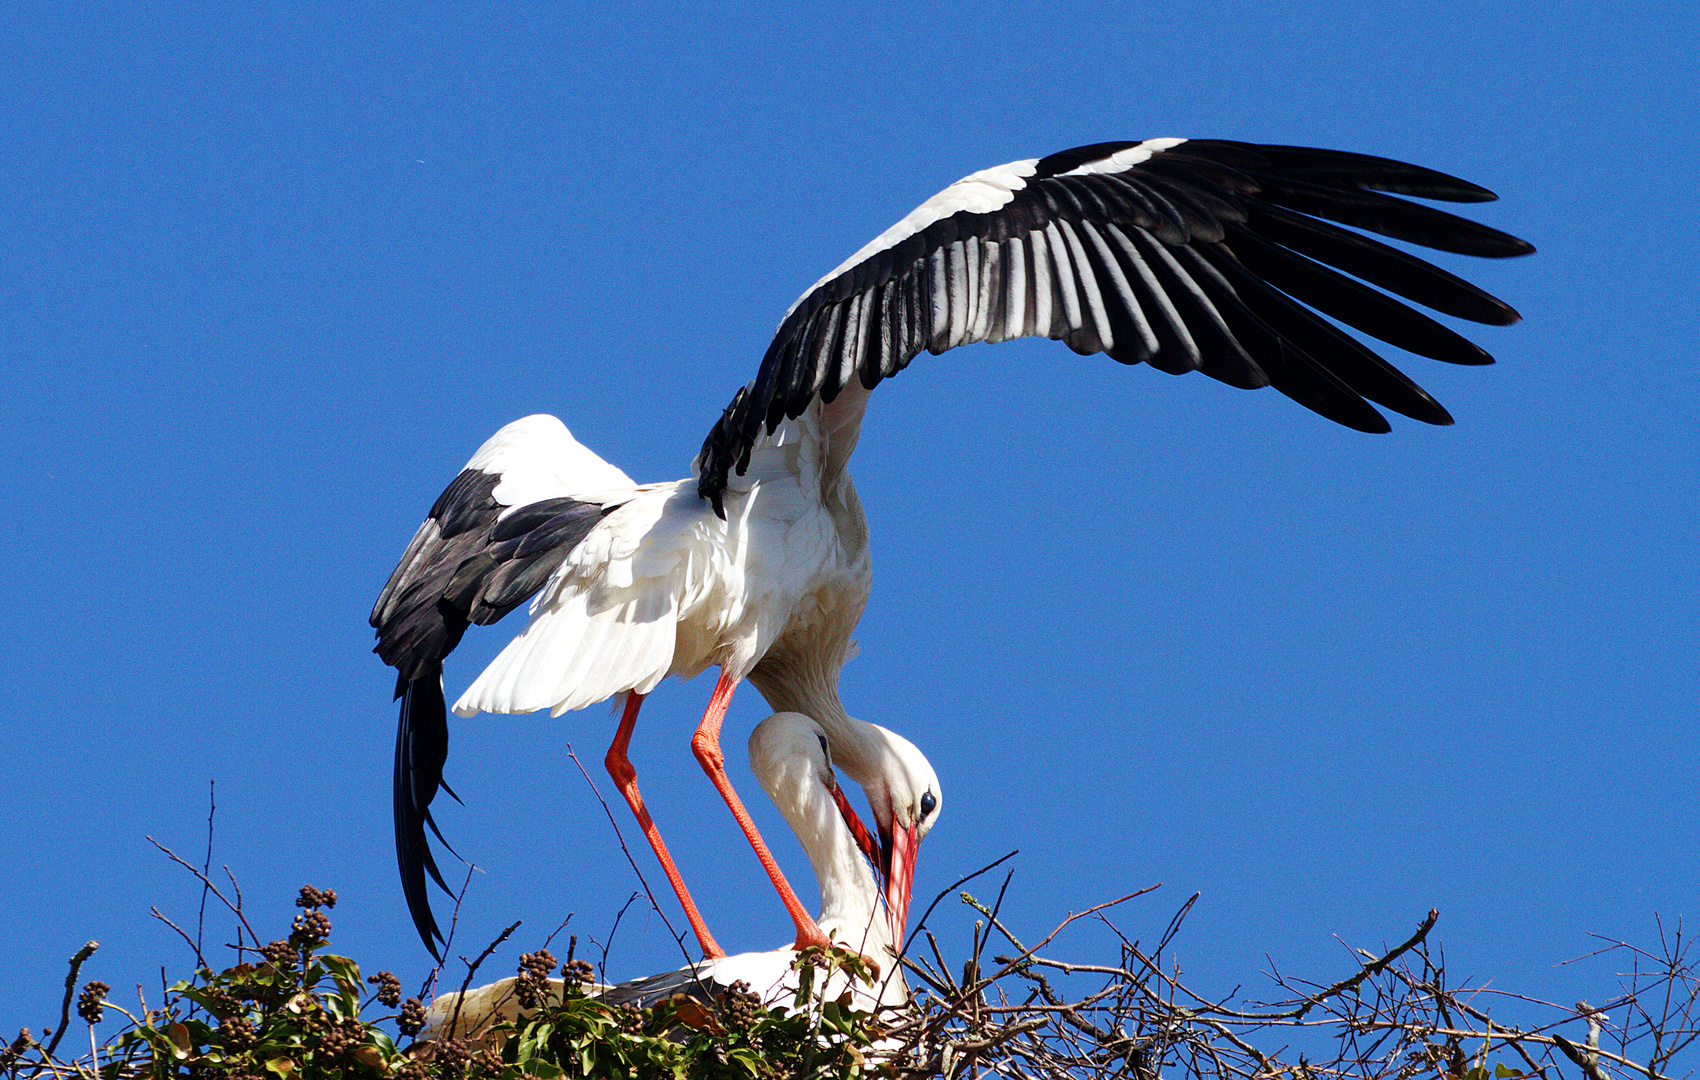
point(707, 750)
point(619, 767)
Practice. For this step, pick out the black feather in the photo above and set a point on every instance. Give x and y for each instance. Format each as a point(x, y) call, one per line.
point(1069, 160)
point(1342, 355)
point(1367, 171)
point(467, 563)
point(1176, 206)
point(1291, 370)
point(421, 747)
point(1388, 216)
point(1379, 264)
point(1355, 304)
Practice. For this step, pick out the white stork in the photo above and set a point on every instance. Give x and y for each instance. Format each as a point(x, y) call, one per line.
point(1185, 254)
point(790, 757)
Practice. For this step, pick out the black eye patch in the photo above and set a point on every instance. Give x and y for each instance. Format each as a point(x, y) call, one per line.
point(928, 804)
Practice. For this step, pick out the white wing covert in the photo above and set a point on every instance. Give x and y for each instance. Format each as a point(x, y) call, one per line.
point(609, 619)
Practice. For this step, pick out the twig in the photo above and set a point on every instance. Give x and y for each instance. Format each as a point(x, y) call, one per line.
point(454, 924)
point(472, 969)
point(624, 850)
point(958, 883)
point(70, 988)
point(612, 930)
point(236, 888)
point(1373, 967)
point(206, 869)
point(200, 961)
point(206, 881)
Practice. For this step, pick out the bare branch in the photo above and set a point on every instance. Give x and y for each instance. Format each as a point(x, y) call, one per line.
point(472, 969)
point(1394, 1018)
point(627, 852)
point(77, 959)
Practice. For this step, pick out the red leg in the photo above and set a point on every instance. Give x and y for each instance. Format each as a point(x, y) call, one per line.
point(706, 745)
point(625, 778)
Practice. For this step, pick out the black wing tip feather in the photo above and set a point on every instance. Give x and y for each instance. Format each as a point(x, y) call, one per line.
point(1367, 171)
point(421, 749)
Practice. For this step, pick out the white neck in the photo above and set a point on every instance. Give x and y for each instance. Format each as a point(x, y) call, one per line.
point(802, 684)
point(787, 759)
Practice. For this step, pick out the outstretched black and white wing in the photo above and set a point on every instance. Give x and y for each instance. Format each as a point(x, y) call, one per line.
point(492, 539)
point(1185, 254)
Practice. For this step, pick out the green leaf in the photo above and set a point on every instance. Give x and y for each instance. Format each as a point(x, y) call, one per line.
point(345, 971)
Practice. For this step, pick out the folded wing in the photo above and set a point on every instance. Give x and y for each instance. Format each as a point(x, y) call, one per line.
point(502, 528)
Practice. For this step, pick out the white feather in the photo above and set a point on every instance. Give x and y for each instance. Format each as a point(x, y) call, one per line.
point(538, 458)
point(1123, 160)
point(978, 193)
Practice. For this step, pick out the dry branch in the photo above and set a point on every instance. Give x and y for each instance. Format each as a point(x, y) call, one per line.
point(1395, 1017)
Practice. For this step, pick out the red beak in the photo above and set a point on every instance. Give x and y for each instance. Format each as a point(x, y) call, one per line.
point(899, 850)
point(893, 858)
point(864, 839)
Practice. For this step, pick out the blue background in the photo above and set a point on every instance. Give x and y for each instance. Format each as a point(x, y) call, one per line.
point(268, 277)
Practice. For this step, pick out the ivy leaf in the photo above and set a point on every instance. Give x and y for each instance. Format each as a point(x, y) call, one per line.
point(369, 1057)
point(345, 971)
point(181, 1044)
point(692, 1014)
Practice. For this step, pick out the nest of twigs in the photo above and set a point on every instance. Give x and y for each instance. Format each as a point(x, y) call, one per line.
point(1396, 1015)
point(293, 1010)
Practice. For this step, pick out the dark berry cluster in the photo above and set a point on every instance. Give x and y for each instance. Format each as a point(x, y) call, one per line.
point(311, 927)
point(630, 1018)
point(389, 988)
point(413, 1070)
point(280, 953)
point(739, 1007)
point(313, 1015)
point(237, 1033)
point(450, 1056)
point(91, 1005)
point(412, 1019)
point(341, 1037)
point(486, 1062)
point(220, 1002)
point(578, 971)
point(532, 986)
point(315, 898)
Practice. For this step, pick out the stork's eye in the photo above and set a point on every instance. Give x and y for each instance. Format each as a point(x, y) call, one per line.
point(928, 804)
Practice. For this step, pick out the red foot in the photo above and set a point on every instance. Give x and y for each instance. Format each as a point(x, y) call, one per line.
point(811, 936)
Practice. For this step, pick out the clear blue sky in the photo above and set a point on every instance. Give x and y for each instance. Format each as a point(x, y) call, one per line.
point(269, 276)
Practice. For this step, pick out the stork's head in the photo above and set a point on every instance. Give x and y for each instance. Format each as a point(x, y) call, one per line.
point(903, 792)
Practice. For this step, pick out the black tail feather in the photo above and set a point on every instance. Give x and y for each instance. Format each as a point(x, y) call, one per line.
point(421, 747)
